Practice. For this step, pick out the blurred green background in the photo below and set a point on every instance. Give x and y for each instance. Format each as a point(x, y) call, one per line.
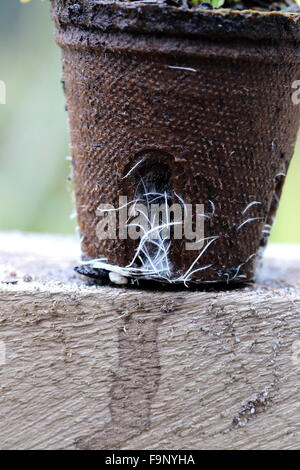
point(34, 193)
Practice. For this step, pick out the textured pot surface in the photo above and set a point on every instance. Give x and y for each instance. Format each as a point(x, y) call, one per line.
point(199, 100)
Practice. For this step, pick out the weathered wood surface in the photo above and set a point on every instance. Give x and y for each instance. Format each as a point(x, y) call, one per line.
point(107, 368)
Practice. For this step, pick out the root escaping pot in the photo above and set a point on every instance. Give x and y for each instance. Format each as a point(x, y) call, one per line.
point(186, 107)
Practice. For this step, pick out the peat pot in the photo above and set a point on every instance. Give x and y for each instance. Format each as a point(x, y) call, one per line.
point(191, 108)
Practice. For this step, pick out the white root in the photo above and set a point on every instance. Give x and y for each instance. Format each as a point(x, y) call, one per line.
point(251, 219)
point(251, 204)
point(188, 69)
point(153, 252)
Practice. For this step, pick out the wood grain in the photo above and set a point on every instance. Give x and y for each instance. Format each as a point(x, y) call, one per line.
point(98, 367)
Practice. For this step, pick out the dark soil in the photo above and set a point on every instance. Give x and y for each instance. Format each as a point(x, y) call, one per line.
point(259, 5)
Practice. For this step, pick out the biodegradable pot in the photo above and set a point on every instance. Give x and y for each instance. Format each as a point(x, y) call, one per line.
point(201, 101)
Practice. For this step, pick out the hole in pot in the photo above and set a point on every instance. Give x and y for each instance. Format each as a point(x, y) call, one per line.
point(154, 196)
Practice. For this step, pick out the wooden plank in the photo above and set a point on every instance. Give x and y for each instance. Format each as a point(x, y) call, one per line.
point(85, 366)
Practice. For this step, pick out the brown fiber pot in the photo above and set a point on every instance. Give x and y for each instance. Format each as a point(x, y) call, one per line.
point(203, 99)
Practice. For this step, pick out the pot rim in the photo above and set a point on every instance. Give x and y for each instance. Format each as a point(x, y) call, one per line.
point(153, 18)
